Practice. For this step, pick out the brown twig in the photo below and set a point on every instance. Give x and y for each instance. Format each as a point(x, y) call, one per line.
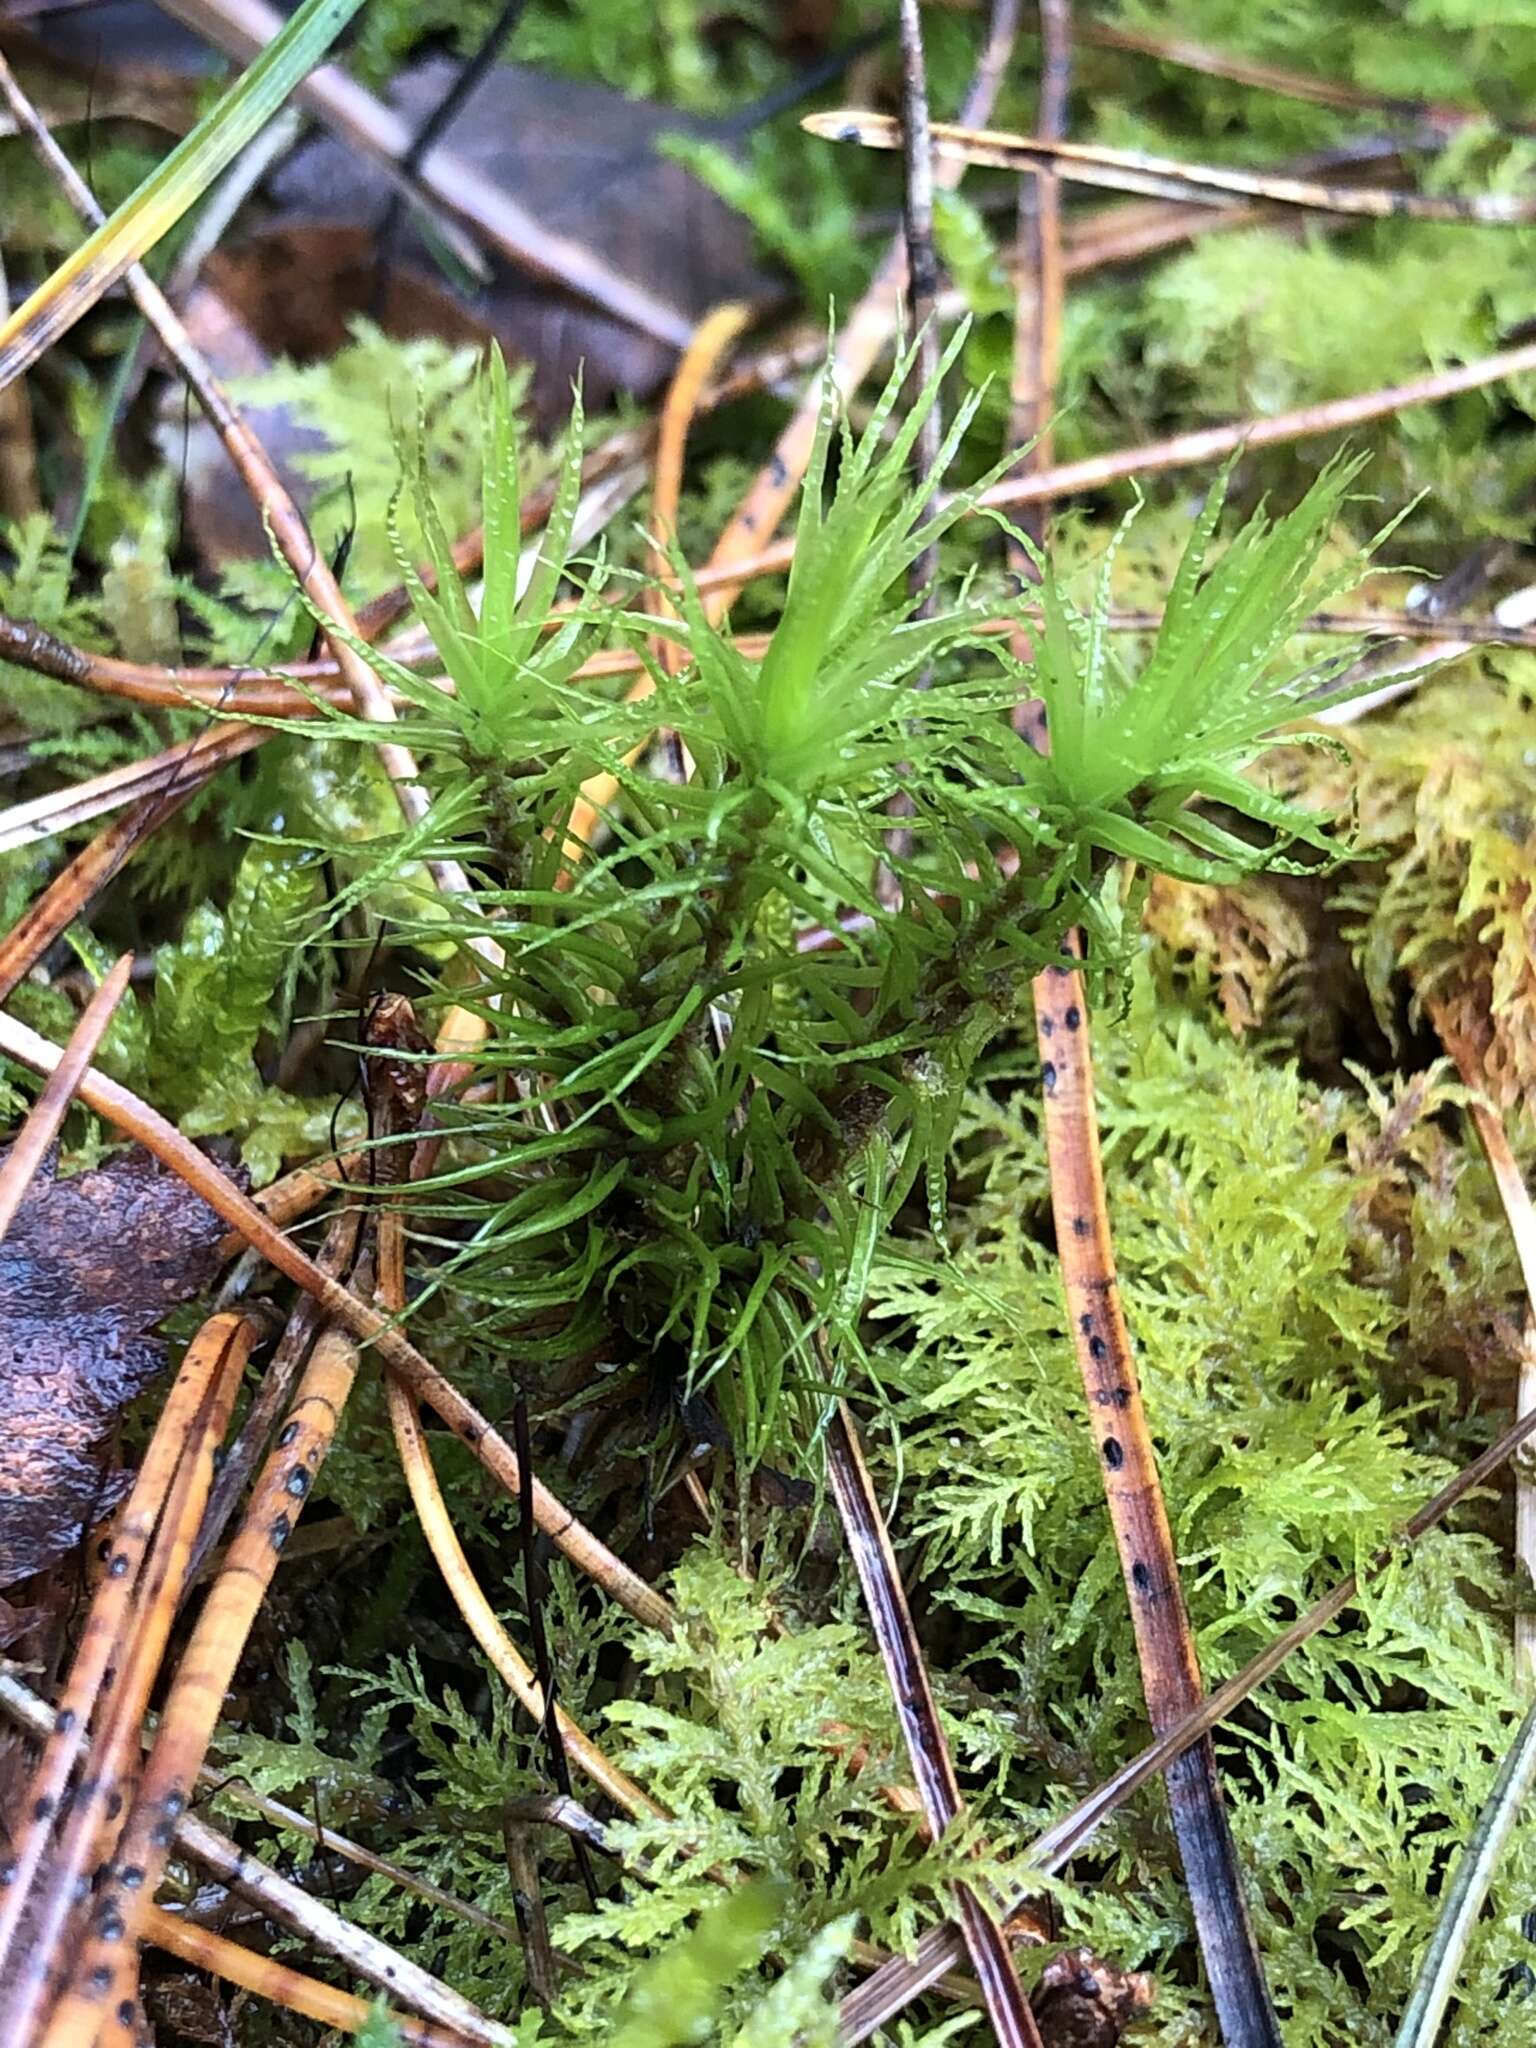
point(297, 690)
point(277, 1982)
point(75, 886)
point(128, 1113)
point(196, 1697)
point(285, 522)
point(1366, 624)
point(31, 1144)
point(528, 1903)
point(1520, 1215)
point(289, 1905)
point(1212, 444)
point(272, 696)
point(1127, 170)
point(155, 1563)
point(334, 1257)
point(712, 340)
point(107, 1621)
point(1274, 78)
point(186, 765)
point(26, 824)
point(1183, 451)
point(1165, 1645)
point(1164, 1641)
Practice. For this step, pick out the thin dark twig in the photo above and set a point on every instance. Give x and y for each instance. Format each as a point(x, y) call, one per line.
point(463, 191)
point(1040, 299)
point(26, 1155)
point(469, 75)
point(528, 1904)
point(857, 347)
point(991, 65)
point(543, 1663)
point(922, 295)
point(922, 263)
point(869, 1546)
point(557, 1810)
point(1037, 340)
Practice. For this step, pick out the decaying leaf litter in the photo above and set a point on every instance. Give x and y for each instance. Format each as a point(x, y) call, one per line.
point(596, 991)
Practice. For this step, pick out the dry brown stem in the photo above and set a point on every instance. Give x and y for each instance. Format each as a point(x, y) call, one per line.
point(31, 1143)
point(99, 1976)
point(135, 1117)
point(277, 1982)
point(116, 1667)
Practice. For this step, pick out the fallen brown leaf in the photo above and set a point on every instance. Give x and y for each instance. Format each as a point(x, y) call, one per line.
point(582, 160)
point(90, 1266)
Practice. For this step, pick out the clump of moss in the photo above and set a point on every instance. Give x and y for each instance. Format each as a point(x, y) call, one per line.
point(1438, 904)
point(1313, 1260)
point(1276, 1240)
point(1446, 789)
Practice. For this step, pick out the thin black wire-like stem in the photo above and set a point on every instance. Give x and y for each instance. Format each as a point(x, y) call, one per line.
point(436, 124)
point(922, 262)
point(922, 298)
point(543, 1663)
point(1037, 341)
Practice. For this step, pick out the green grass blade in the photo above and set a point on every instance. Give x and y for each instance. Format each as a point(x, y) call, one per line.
point(1468, 1890)
point(173, 186)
